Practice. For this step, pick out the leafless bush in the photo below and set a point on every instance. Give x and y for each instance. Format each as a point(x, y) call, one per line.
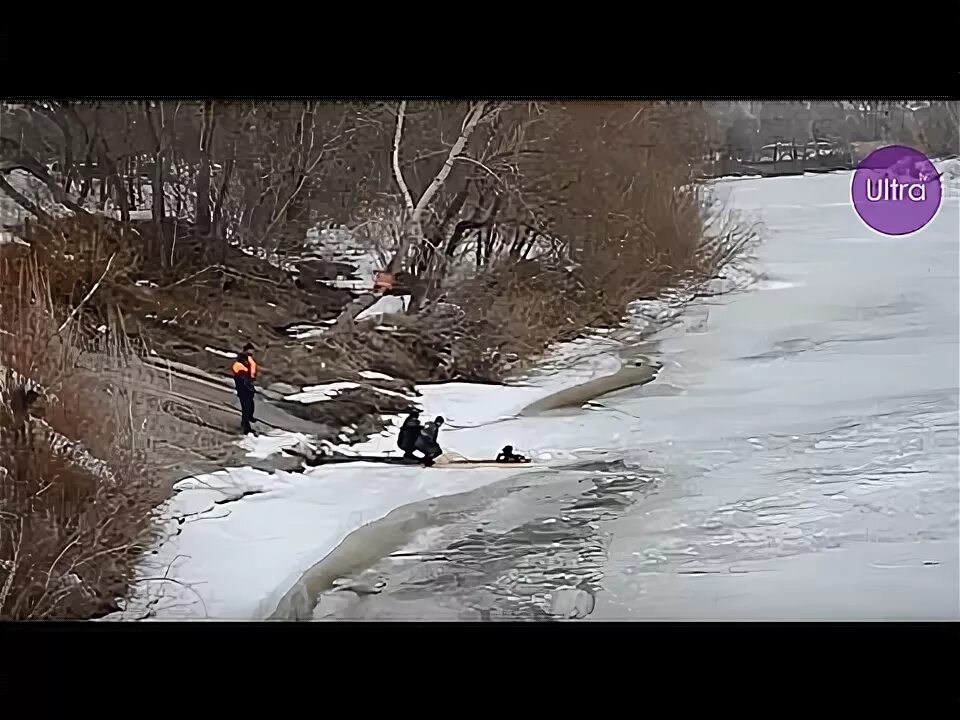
point(76, 495)
point(553, 218)
point(625, 221)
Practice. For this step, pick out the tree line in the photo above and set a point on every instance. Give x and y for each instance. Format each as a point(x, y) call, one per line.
point(439, 187)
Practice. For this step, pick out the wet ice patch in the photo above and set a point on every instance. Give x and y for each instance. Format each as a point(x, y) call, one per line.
point(778, 285)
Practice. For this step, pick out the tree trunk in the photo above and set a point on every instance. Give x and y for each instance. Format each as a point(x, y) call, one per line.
point(122, 199)
point(131, 186)
point(87, 170)
point(156, 185)
point(156, 177)
point(204, 218)
point(221, 197)
point(110, 176)
point(104, 181)
point(68, 161)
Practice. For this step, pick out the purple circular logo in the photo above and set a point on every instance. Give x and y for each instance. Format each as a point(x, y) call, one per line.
point(896, 190)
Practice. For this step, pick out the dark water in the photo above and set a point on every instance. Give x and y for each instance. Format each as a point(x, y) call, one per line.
point(804, 464)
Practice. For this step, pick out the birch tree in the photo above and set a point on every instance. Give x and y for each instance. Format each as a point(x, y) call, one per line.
point(412, 235)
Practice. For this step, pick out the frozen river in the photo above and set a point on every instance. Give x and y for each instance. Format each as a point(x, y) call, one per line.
point(796, 458)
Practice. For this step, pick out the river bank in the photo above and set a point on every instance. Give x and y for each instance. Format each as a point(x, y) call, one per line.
point(240, 541)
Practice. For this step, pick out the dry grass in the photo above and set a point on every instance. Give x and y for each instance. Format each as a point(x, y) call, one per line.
point(179, 309)
point(76, 495)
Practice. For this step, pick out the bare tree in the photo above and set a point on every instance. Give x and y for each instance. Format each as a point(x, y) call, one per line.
point(413, 235)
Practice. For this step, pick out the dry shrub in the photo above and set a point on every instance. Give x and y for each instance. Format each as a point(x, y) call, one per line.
point(75, 252)
point(414, 352)
point(629, 235)
point(76, 495)
point(514, 312)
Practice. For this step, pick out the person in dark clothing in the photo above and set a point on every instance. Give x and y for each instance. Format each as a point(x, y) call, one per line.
point(243, 381)
point(508, 456)
point(427, 441)
point(409, 432)
point(250, 362)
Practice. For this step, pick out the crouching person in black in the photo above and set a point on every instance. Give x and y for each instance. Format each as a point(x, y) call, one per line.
point(427, 441)
point(508, 456)
point(409, 432)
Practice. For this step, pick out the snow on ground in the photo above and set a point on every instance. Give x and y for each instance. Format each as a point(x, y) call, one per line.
point(239, 539)
point(319, 393)
point(267, 444)
point(388, 304)
point(248, 536)
point(8, 238)
point(339, 244)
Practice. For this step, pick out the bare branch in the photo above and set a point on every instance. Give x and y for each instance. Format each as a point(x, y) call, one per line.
point(466, 158)
point(73, 313)
point(470, 122)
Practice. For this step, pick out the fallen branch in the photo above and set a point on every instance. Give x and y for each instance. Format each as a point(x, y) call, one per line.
point(73, 313)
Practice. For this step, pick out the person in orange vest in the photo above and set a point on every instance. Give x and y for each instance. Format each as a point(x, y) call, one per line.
point(243, 375)
point(251, 363)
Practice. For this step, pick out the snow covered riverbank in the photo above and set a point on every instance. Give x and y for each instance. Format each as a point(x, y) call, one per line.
point(237, 540)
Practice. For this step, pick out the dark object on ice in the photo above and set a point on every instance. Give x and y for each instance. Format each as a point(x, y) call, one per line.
point(318, 460)
point(427, 441)
point(508, 456)
point(243, 382)
point(336, 459)
point(409, 432)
